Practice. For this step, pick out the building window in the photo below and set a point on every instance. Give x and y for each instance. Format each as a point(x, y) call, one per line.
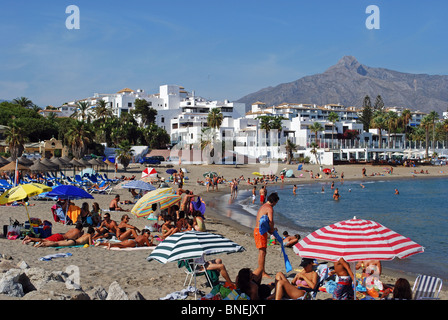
point(130, 104)
point(162, 120)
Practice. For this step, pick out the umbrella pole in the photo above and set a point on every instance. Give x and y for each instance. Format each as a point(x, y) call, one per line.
point(28, 214)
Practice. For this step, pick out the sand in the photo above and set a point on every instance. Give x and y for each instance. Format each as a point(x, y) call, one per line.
point(100, 267)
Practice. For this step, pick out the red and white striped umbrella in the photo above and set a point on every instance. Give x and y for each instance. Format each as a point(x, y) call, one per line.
point(356, 240)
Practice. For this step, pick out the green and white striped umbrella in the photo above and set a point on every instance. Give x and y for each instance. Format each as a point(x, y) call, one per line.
point(192, 245)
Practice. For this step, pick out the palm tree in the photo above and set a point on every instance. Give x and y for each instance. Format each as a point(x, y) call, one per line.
point(15, 138)
point(406, 117)
point(290, 149)
point(23, 102)
point(392, 122)
point(82, 111)
point(124, 153)
point(102, 110)
point(333, 117)
point(315, 128)
point(215, 118)
point(379, 122)
point(426, 124)
point(433, 116)
point(78, 137)
point(208, 141)
point(314, 146)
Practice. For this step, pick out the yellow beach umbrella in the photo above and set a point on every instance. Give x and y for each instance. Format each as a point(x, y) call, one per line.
point(165, 196)
point(23, 191)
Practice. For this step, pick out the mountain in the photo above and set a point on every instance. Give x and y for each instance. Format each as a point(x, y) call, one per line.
point(349, 81)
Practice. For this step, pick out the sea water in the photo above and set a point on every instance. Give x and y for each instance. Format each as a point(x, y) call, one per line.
point(419, 212)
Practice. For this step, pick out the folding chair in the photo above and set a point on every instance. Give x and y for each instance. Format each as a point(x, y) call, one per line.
point(212, 276)
point(322, 271)
point(426, 287)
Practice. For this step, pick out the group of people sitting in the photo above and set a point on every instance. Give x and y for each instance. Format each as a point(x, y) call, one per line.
point(175, 220)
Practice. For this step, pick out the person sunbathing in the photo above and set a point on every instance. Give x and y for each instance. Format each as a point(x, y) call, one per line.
point(295, 289)
point(291, 240)
point(140, 241)
point(113, 206)
point(82, 240)
point(107, 228)
point(72, 234)
point(125, 230)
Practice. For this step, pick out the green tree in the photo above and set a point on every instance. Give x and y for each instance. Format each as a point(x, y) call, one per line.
point(316, 127)
point(23, 102)
point(426, 124)
point(290, 149)
point(78, 137)
point(102, 110)
point(124, 153)
point(391, 119)
point(15, 139)
point(215, 118)
point(379, 104)
point(333, 117)
point(144, 111)
point(366, 113)
point(379, 123)
point(82, 111)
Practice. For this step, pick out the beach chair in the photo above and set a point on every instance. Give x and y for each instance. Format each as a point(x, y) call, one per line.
point(212, 276)
point(426, 288)
point(322, 270)
point(102, 188)
point(80, 181)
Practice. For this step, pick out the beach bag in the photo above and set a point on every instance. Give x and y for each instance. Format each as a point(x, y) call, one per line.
point(13, 232)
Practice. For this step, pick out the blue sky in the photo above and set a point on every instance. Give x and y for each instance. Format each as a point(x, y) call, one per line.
point(219, 49)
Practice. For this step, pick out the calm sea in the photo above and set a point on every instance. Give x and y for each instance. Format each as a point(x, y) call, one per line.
point(419, 212)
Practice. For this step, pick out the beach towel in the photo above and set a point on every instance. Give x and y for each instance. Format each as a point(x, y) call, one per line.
point(57, 255)
point(199, 205)
point(73, 212)
point(264, 227)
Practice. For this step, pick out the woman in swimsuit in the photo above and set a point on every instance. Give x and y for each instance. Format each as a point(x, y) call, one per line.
point(82, 240)
point(125, 230)
point(307, 278)
point(140, 241)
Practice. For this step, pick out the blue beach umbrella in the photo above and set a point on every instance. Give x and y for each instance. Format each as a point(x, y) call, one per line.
point(171, 171)
point(69, 192)
point(139, 184)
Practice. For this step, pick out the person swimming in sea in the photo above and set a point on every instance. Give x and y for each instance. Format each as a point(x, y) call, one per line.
point(336, 194)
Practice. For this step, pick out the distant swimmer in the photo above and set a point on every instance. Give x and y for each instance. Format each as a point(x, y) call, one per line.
point(396, 191)
point(336, 194)
point(323, 190)
point(362, 186)
point(294, 189)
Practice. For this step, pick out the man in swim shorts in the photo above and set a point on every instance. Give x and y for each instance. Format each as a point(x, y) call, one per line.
point(262, 194)
point(261, 241)
point(344, 289)
point(72, 234)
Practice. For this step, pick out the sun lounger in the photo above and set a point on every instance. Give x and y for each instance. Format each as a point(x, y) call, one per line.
point(426, 288)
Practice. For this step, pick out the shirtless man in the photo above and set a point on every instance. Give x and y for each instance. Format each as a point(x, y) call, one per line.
point(113, 206)
point(344, 289)
point(86, 238)
point(261, 241)
point(262, 194)
point(72, 234)
point(107, 228)
point(185, 204)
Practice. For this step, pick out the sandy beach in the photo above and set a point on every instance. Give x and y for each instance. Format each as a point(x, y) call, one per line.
point(101, 267)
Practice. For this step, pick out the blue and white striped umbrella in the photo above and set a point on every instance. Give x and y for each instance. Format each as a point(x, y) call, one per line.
point(138, 184)
point(192, 245)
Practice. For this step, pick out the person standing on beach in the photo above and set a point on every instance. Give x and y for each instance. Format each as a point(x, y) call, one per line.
point(254, 194)
point(261, 240)
point(262, 194)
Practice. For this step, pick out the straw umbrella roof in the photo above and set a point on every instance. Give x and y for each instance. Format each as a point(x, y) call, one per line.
point(51, 165)
point(75, 163)
point(39, 166)
point(12, 166)
point(22, 160)
point(61, 163)
point(84, 162)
